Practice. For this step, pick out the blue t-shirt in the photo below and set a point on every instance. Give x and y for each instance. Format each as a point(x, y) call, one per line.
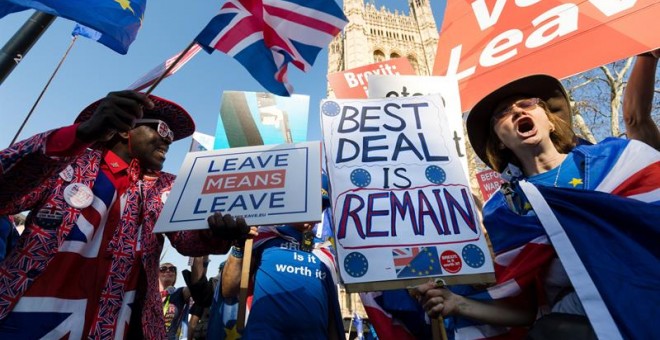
point(290, 298)
point(566, 175)
point(174, 312)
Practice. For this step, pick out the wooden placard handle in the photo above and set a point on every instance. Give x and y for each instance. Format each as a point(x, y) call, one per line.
point(245, 282)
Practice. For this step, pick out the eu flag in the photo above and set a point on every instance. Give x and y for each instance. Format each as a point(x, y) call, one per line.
point(117, 20)
point(608, 246)
point(416, 261)
point(7, 7)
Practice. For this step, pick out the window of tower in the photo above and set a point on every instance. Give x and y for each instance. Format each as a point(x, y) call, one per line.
point(379, 56)
point(394, 55)
point(414, 63)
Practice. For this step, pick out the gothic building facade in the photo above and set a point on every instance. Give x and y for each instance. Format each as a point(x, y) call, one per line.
point(374, 35)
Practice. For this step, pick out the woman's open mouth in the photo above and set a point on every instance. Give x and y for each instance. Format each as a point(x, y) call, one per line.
point(525, 127)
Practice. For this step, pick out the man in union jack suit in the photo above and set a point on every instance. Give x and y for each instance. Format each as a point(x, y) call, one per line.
point(87, 263)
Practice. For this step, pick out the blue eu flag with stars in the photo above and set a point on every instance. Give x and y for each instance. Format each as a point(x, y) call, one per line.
point(117, 20)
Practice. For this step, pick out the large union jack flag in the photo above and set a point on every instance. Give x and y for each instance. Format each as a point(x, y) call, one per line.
point(266, 35)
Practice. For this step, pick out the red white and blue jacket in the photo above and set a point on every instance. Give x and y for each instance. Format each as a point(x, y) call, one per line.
point(33, 176)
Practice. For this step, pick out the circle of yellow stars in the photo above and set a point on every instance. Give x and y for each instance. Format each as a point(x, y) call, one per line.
point(430, 267)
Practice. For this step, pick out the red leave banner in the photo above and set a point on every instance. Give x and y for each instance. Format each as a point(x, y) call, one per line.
point(486, 44)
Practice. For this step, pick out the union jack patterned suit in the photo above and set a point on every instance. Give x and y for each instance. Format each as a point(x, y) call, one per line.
point(32, 180)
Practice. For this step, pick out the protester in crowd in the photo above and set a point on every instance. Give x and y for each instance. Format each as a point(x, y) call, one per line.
point(197, 290)
point(223, 312)
point(198, 322)
point(215, 315)
point(94, 190)
point(523, 129)
point(293, 285)
point(175, 300)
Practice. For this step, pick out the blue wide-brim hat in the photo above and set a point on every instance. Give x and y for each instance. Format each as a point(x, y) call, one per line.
point(178, 119)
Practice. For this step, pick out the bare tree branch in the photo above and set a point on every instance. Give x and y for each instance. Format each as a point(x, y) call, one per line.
point(585, 132)
point(596, 96)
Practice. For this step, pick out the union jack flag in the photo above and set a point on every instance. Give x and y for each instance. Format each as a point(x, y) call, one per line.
point(395, 315)
point(266, 35)
point(52, 307)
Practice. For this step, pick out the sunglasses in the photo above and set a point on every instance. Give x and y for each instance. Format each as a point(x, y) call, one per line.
point(523, 104)
point(164, 269)
point(158, 125)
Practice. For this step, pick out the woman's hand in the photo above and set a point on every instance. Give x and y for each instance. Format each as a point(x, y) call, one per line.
point(438, 301)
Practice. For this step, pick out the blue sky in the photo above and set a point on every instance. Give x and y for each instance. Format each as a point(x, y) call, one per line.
point(92, 70)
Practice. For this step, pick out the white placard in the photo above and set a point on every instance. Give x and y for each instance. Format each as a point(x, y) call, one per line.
point(390, 86)
point(268, 184)
point(401, 202)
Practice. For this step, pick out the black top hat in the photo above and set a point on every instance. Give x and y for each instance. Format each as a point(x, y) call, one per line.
point(179, 121)
point(542, 86)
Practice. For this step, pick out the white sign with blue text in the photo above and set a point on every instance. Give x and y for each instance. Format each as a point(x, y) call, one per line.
point(267, 184)
point(401, 202)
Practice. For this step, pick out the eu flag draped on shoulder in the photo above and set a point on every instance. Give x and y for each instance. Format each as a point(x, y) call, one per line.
point(117, 21)
point(266, 35)
point(622, 296)
point(606, 240)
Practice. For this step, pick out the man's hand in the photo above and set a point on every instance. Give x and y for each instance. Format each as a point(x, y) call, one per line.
point(117, 112)
point(229, 228)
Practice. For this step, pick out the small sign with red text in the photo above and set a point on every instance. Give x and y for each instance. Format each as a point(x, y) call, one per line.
point(267, 184)
point(489, 182)
point(352, 84)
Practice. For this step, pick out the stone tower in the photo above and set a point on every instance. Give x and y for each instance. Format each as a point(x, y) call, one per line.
point(374, 35)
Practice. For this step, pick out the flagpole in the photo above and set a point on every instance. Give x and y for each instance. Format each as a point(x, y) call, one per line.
point(244, 285)
point(18, 46)
point(169, 68)
point(350, 324)
point(36, 102)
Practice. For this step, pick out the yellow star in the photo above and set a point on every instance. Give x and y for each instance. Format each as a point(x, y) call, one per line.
point(125, 4)
point(575, 182)
point(232, 333)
